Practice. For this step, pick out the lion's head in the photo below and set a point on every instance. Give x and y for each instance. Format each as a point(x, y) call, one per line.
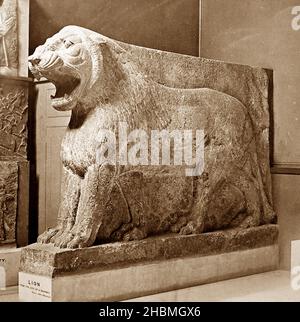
point(70, 59)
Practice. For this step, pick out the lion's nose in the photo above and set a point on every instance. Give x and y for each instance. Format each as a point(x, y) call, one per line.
point(34, 61)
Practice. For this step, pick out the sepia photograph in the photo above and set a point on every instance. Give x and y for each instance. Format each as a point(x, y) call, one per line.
point(149, 154)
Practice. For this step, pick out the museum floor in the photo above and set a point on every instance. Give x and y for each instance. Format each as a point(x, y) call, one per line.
point(271, 286)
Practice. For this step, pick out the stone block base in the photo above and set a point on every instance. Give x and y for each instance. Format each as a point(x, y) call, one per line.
point(122, 271)
point(9, 266)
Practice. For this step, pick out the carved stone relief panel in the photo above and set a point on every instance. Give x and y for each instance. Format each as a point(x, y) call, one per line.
point(8, 200)
point(8, 37)
point(13, 120)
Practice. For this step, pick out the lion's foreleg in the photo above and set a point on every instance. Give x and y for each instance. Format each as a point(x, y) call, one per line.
point(70, 191)
point(95, 192)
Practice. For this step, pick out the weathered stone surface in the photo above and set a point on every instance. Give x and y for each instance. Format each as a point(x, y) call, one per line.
point(248, 84)
point(9, 61)
point(22, 232)
point(8, 200)
point(51, 261)
point(23, 36)
point(13, 118)
point(136, 280)
point(104, 83)
point(22, 216)
point(13, 148)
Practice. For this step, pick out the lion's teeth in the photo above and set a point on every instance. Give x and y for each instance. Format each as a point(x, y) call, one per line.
point(66, 96)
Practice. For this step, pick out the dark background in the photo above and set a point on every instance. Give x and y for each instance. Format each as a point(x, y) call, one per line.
point(171, 25)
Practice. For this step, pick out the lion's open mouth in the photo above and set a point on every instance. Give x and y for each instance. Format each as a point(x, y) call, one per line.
point(67, 87)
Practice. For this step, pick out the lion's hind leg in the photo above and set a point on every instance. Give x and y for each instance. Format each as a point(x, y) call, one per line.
point(217, 210)
point(253, 209)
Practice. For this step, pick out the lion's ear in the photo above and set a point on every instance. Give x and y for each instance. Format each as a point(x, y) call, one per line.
point(95, 43)
point(97, 39)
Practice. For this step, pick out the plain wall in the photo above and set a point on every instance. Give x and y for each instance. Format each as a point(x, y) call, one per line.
point(259, 33)
point(170, 25)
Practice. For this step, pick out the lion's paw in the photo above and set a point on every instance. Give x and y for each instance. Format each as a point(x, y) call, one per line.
point(59, 237)
point(182, 221)
point(63, 240)
point(192, 227)
point(46, 237)
point(119, 234)
point(135, 234)
point(79, 241)
point(73, 240)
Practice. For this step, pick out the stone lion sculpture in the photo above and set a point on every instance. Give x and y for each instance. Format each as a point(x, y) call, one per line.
point(96, 78)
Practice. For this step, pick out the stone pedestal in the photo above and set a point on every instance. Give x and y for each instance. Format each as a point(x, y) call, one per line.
point(121, 271)
point(295, 253)
point(295, 259)
point(14, 174)
point(295, 265)
point(14, 164)
point(9, 265)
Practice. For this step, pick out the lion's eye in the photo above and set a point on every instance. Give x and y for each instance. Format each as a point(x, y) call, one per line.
point(68, 43)
point(52, 48)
